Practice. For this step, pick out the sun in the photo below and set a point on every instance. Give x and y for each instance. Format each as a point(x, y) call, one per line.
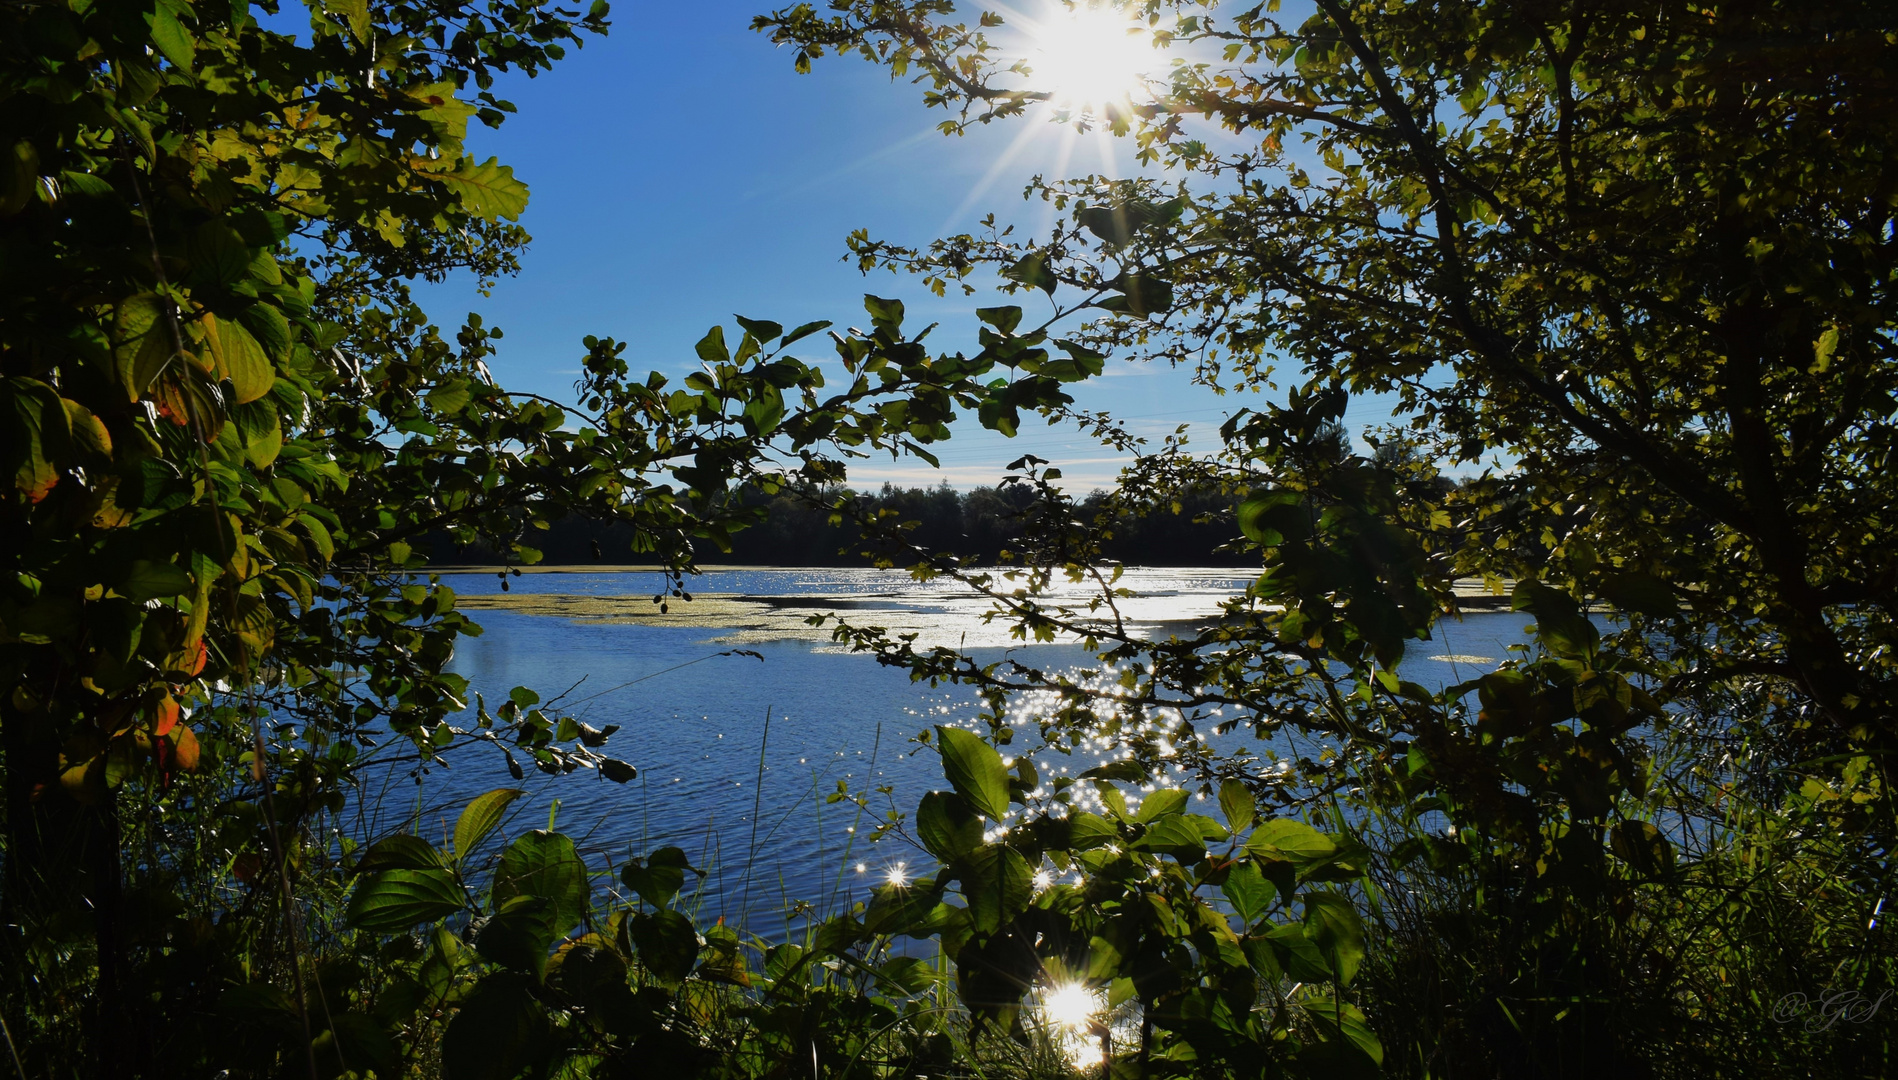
point(1089, 56)
point(1070, 1005)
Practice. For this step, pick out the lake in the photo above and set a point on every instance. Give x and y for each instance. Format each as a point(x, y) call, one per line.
point(745, 800)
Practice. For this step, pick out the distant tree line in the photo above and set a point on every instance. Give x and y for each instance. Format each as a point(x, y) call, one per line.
point(977, 525)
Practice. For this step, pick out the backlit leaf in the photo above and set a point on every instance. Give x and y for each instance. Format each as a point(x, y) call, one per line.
point(487, 190)
point(975, 770)
point(997, 883)
point(1249, 891)
point(392, 901)
point(659, 877)
point(34, 434)
point(148, 580)
point(1288, 839)
point(237, 356)
point(545, 865)
point(481, 817)
point(947, 826)
point(1237, 802)
point(399, 852)
point(143, 340)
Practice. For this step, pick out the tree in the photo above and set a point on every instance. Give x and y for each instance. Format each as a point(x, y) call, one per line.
point(227, 427)
point(1632, 260)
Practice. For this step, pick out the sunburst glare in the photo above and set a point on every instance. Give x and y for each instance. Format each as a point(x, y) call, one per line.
point(1090, 56)
point(1070, 1005)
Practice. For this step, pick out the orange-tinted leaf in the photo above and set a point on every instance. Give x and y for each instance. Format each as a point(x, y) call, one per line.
point(34, 435)
point(185, 742)
point(88, 431)
point(165, 716)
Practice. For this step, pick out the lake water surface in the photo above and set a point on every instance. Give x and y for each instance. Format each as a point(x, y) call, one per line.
point(748, 802)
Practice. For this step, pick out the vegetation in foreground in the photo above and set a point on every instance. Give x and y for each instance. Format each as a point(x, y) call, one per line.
point(1640, 251)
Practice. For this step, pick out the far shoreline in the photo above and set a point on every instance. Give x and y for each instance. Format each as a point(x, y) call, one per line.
point(1472, 593)
point(611, 568)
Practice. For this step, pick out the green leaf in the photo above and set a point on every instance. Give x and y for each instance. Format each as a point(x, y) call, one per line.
point(618, 771)
point(317, 534)
point(1333, 926)
point(724, 958)
point(1128, 771)
point(764, 330)
point(237, 356)
point(896, 909)
point(1032, 270)
point(1332, 1018)
point(884, 314)
point(1086, 830)
point(19, 176)
point(218, 255)
point(766, 411)
point(149, 580)
point(260, 228)
point(658, 878)
point(392, 901)
point(1176, 836)
point(1238, 803)
point(450, 398)
point(1254, 512)
point(35, 433)
point(496, 1031)
point(271, 329)
point(1146, 294)
point(1249, 891)
point(997, 883)
point(1641, 845)
point(487, 190)
point(946, 825)
point(1296, 841)
point(545, 865)
point(1081, 363)
point(143, 341)
point(1159, 804)
point(520, 935)
point(667, 944)
point(1643, 593)
point(1005, 319)
point(712, 349)
point(260, 431)
point(1297, 954)
point(975, 770)
point(354, 12)
point(804, 331)
point(1560, 624)
point(1104, 958)
point(481, 817)
point(172, 39)
point(399, 852)
point(1113, 224)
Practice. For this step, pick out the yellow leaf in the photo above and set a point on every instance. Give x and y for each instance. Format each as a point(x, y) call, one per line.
point(88, 432)
point(185, 746)
point(356, 12)
point(237, 356)
point(143, 339)
point(488, 190)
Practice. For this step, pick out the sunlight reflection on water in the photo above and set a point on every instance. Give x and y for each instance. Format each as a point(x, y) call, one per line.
point(747, 803)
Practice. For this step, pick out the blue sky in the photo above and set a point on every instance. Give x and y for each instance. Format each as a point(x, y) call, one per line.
point(682, 172)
